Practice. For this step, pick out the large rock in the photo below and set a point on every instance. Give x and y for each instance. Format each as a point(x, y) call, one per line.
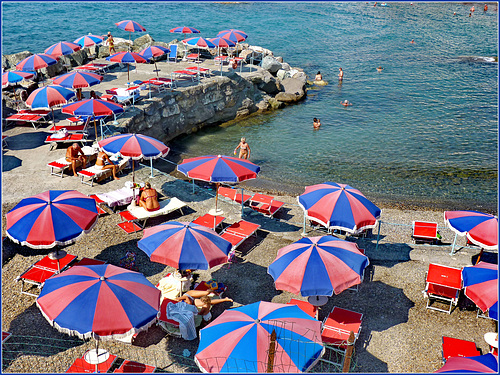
point(270, 64)
point(294, 90)
point(264, 82)
point(142, 42)
point(282, 74)
point(76, 58)
point(9, 62)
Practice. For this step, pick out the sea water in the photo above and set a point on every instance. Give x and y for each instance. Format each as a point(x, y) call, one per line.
point(422, 131)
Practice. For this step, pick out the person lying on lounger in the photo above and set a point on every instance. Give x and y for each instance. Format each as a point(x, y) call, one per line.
point(149, 198)
point(103, 162)
point(74, 154)
point(202, 301)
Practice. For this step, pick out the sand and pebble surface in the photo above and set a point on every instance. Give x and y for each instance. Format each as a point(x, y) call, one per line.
point(398, 333)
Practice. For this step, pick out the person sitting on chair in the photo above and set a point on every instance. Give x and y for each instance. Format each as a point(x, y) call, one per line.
point(202, 301)
point(75, 154)
point(104, 162)
point(149, 198)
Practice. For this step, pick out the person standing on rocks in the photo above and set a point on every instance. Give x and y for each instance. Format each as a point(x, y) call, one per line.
point(244, 149)
point(111, 43)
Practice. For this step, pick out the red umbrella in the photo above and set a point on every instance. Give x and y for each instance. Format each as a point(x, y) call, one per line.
point(127, 57)
point(89, 40)
point(48, 97)
point(130, 26)
point(13, 77)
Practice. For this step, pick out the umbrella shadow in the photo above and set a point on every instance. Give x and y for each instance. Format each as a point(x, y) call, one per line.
point(268, 223)
point(184, 192)
point(387, 254)
point(485, 256)
point(27, 141)
point(10, 162)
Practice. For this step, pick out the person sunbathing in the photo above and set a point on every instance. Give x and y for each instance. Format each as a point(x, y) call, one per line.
point(104, 162)
point(202, 301)
point(149, 198)
point(74, 154)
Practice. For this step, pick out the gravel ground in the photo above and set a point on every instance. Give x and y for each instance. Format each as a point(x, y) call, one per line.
point(398, 333)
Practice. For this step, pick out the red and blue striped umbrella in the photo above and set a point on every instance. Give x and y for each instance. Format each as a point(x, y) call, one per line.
point(49, 96)
point(152, 52)
point(238, 340)
point(232, 34)
point(481, 286)
point(55, 217)
point(62, 48)
point(135, 146)
point(339, 206)
point(13, 77)
point(185, 30)
point(100, 301)
point(222, 42)
point(199, 42)
point(184, 246)
point(131, 26)
point(482, 363)
point(78, 79)
point(480, 228)
point(127, 57)
point(89, 40)
point(318, 266)
point(35, 62)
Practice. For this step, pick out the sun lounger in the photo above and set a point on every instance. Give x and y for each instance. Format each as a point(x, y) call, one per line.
point(89, 262)
point(54, 139)
point(76, 125)
point(338, 325)
point(33, 117)
point(443, 284)
point(62, 164)
point(203, 71)
point(125, 96)
point(220, 59)
point(195, 57)
point(186, 72)
point(5, 336)
point(424, 231)
point(169, 325)
point(209, 221)
point(80, 365)
point(98, 203)
point(95, 174)
point(265, 204)
point(305, 306)
point(170, 81)
point(119, 197)
point(173, 53)
point(94, 68)
point(134, 367)
point(136, 213)
point(40, 271)
point(233, 194)
point(458, 348)
point(237, 233)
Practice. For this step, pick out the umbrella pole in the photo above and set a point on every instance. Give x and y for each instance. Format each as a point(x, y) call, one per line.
point(453, 246)
point(193, 185)
point(378, 235)
point(216, 196)
point(128, 72)
point(133, 172)
point(53, 117)
point(304, 225)
point(151, 167)
point(272, 352)
point(242, 202)
point(156, 68)
point(95, 130)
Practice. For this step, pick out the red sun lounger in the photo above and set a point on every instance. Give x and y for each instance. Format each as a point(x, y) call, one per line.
point(134, 367)
point(168, 325)
point(265, 204)
point(237, 233)
point(233, 194)
point(5, 336)
point(458, 348)
point(80, 365)
point(209, 221)
point(338, 325)
point(203, 71)
point(443, 284)
point(305, 306)
point(42, 270)
point(186, 73)
point(424, 231)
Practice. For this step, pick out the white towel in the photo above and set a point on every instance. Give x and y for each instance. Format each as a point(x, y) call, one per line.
point(183, 313)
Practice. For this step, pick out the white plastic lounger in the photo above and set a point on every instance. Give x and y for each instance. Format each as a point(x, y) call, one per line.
point(62, 164)
point(167, 206)
point(95, 174)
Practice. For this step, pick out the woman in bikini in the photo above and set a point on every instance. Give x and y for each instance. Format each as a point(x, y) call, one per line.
point(103, 162)
point(244, 149)
point(149, 198)
point(202, 301)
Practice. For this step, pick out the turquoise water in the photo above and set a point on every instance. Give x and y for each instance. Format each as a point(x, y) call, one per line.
point(422, 131)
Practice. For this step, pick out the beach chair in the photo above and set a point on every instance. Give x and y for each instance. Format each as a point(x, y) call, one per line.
point(185, 72)
point(203, 71)
point(89, 262)
point(173, 53)
point(424, 231)
point(27, 116)
point(77, 124)
point(170, 81)
point(134, 367)
point(443, 284)
point(62, 164)
point(220, 59)
point(56, 139)
point(265, 204)
point(98, 203)
point(82, 364)
point(305, 306)
point(94, 174)
point(134, 213)
point(5, 336)
point(338, 325)
point(458, 348)
point(233, 194)
point(209, 221)
point(237, 233)
point(40, 271)
point(194, 57)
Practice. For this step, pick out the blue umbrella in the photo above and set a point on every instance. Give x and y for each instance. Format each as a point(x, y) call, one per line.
point(318, 266)
point(482, 364)
point(184, 246)
point(222, 42)
point(13, 76)
point(78, 79)
point(62, 48)
point(238, 340)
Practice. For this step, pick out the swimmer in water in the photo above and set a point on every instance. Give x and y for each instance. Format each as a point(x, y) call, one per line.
point(412, 41)
point(379, 69)
point(341, 74)
point(316, 123)
point(318, 77)
point(345, 103)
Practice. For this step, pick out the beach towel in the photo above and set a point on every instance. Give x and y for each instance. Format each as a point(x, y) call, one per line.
point(183, 313)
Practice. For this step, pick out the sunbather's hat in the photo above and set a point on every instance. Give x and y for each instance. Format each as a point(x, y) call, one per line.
point(491, 338)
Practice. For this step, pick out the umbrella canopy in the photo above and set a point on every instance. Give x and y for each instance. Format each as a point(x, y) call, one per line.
point(152, 52)
point(480, 228)
point(481, 286)
point(62, 48)
point(318, 266)
point(78, 79)
point(218, 168)
point(184, 245)
point(55, 217)
point(13, 77)
point(131, 26)
point(339, 206)
point(135, 146)
point(49, 96)
point(481, 363)
point(238, 340)
point(222, 42)
point(233, 34)
point(100, 301)
point(35, 62)
point(89, 40)
point(185, 30)
point(199, 42)
point(127, 57)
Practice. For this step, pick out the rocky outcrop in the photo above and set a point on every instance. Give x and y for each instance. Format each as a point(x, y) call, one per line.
point(293, 90)
point(9, 62)
point(270, 64)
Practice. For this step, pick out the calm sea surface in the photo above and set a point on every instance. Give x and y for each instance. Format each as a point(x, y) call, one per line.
point(422, 131)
